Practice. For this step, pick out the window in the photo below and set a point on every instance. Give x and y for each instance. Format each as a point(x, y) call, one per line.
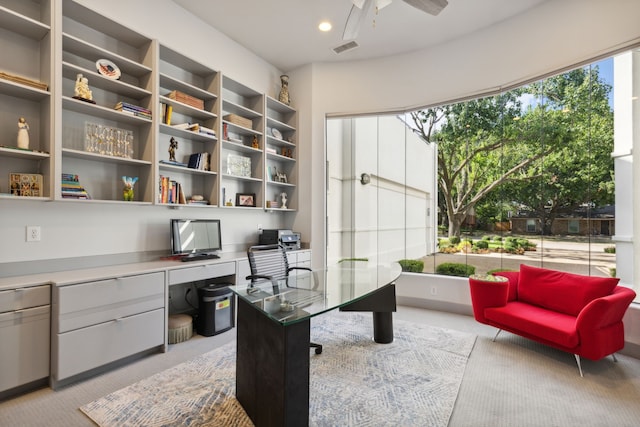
point(518, 177)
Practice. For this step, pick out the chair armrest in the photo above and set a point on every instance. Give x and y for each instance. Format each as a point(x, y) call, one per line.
point(605, 311)
point(487, 294)
point(298, 268)
point(253, 277)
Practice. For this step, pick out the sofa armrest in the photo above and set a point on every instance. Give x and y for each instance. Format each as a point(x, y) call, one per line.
point(487, 294)
point(605, 311)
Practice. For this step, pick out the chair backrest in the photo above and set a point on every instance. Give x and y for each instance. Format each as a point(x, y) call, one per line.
point(268, 260)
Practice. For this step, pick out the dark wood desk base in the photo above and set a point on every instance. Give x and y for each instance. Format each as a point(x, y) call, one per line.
point(272, 360)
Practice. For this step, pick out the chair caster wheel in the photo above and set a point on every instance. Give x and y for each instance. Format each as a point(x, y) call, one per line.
point(319, 350)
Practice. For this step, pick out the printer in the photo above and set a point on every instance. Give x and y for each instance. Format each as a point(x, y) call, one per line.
point(288, 239)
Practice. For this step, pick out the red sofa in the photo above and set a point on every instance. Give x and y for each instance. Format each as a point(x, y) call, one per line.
point(574, 313)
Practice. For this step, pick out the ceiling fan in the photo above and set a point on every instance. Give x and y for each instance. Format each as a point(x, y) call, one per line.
point(360, 9)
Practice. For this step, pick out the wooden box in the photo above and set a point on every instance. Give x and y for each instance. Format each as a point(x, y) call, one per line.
point(187, 99)
point(238, 120)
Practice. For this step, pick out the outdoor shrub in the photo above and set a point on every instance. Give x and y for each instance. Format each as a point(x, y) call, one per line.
point(486, 238)
point(352, 259)
point(482, 244)
point(465, 247)
point(455, 269)
point(510, 240)
point(449, 249)
point(610, 249)
point(454, 240)
point(412, 265)
point(613, 272)
point(497, 239)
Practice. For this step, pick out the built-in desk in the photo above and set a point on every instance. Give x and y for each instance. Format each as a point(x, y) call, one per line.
point(99, 315)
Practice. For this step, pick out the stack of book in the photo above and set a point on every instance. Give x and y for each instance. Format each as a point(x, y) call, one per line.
point(71, 188)
point(134, 110)
point(199, 161)
point(170, 192)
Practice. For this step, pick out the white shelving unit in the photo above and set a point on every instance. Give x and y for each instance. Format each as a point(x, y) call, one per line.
point(186, 76)
point(281, 155)
point(27, 45)
point(87, 37)
point(250, 139)
point(242, 150)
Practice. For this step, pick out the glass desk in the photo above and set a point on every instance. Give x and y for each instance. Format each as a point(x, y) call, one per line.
point(273, 333)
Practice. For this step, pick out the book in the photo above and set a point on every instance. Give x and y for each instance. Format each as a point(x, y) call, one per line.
point(71, 188)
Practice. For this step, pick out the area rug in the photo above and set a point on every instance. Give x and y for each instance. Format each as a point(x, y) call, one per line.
point(354, 382)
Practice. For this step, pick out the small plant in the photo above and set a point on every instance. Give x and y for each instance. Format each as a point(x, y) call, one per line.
point(486, 238)
point(455, 269)
point(497, 238)
point(610, 250)
point(482, 244)
point(613, 272)
point(454, 240)
point(412, 265)
point(498, 270)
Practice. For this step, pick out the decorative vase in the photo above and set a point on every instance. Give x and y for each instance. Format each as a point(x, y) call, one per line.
point(284, 91)
point(23, 134)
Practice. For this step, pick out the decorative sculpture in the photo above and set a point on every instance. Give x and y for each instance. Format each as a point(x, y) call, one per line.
point(127, 192)
point(81, 90)
point(173, 146)
point(283, 198)
point(284, 91)
point(23, 133)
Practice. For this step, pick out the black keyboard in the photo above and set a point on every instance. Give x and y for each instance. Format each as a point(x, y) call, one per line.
point(198, 257)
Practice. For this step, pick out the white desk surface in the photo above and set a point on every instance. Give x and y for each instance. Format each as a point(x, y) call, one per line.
point(80, 275)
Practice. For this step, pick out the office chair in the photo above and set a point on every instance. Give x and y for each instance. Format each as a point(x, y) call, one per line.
point(269, 261)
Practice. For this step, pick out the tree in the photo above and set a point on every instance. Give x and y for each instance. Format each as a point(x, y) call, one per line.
point(578, 174)
point(474, 138)
point(550, 157)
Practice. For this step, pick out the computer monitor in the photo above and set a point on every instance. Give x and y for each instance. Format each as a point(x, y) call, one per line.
point(195, 236)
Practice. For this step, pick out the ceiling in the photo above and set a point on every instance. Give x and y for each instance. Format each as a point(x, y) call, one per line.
point(285, 32)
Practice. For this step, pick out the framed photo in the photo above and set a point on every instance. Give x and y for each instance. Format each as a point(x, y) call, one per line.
point(246, 199)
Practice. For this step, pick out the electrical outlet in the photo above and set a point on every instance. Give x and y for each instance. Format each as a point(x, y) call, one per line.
point(259, 228)
point(434, 290)
point(33, 233)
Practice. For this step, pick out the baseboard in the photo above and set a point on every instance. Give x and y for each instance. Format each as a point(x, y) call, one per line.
point(631, 349)
point(446, 306)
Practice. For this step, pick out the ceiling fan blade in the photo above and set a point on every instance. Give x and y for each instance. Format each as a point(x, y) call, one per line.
point(354, 20)
point(432, 7)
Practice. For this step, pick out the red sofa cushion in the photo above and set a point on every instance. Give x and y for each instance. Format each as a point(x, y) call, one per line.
point(559, 291)
point(512, 276)
point(535, 321)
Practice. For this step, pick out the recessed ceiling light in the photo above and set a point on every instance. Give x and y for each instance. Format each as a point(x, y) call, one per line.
point(325, 26)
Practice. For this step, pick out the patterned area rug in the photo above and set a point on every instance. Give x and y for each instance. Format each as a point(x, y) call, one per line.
point(354, 382)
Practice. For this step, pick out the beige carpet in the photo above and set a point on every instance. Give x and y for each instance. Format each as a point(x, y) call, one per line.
point(355, 382)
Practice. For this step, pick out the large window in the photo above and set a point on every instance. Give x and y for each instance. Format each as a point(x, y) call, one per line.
point(524, 176)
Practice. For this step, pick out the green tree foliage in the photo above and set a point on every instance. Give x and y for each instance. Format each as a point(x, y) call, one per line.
point(549, 156)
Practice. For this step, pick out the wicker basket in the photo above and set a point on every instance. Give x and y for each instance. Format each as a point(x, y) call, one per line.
point(180, 328)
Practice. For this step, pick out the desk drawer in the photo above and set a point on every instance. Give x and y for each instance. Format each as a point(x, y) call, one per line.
point(24, 346)
point(201, 272)
point(21, 298)
point(91, 303)
point(88, 348)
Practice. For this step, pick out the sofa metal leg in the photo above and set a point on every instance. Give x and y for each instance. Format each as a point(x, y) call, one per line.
point(615, 359)
point(579, 365)
point(494, 338)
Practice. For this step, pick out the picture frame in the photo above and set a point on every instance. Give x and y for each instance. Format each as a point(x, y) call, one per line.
point(246, 199)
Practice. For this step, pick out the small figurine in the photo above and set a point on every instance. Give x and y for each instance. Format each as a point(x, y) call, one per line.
point(173, 146)
point(23, 133)
point(284, 92)
point(283, 198)
point(81, 90)
point(127, 192)
point(254, 142)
